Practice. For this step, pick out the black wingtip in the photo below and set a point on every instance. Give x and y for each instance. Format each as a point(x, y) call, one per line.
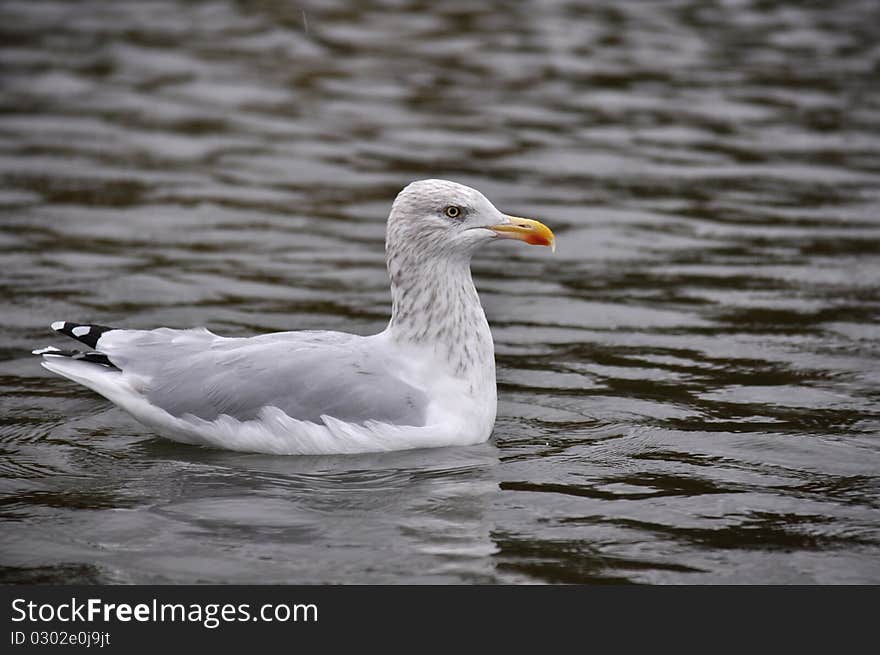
point(84, 332)
point(92, 357)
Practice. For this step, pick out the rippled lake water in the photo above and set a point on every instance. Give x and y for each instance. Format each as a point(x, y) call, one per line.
point(688, 387)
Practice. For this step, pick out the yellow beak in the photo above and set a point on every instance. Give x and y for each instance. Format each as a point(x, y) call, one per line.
point(524, 229)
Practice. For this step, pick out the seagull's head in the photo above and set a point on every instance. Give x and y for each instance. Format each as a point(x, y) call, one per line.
point(438, 216)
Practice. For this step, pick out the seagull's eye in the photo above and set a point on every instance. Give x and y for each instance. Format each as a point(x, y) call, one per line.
point(452, 211)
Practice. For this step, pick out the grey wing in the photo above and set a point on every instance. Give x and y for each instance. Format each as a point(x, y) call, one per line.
point(305, 374)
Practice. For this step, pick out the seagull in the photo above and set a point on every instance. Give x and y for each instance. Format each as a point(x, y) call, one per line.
point(426, 380)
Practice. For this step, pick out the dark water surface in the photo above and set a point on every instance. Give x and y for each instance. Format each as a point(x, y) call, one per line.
point(688, 388)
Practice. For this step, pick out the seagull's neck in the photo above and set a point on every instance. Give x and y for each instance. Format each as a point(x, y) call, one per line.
point(434, 305)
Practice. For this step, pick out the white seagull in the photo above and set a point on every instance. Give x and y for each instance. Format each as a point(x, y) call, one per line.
point(426, 380)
